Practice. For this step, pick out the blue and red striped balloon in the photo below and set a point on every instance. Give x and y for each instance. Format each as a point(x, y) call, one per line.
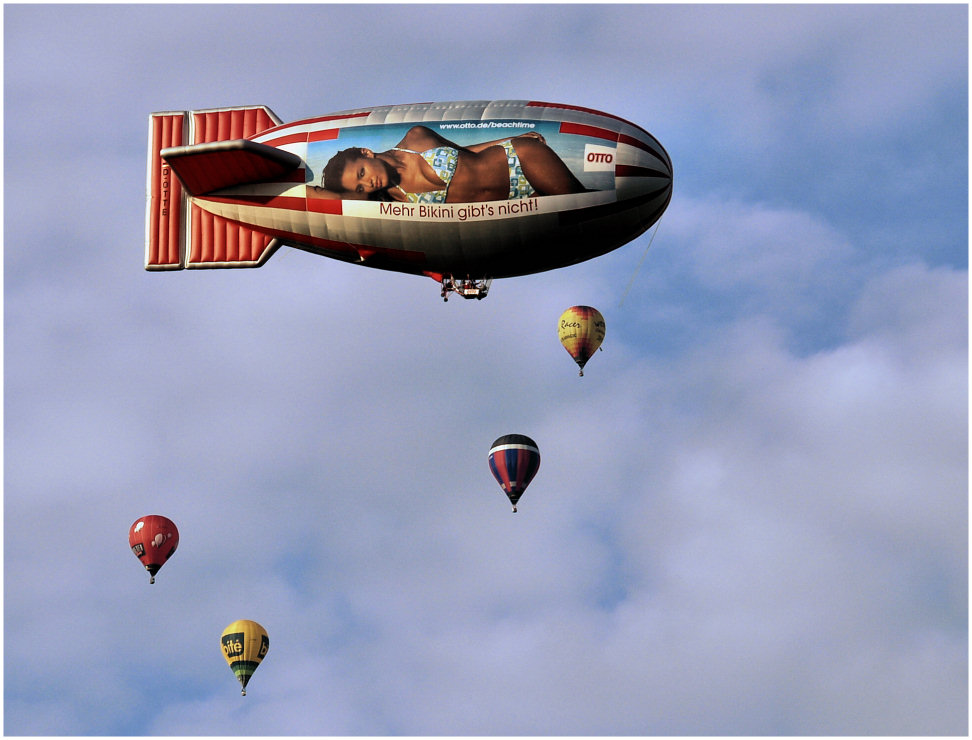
point(514, 459)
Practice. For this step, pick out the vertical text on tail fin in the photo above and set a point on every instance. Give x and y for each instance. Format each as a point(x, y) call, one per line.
point(179, 234)
point(165, 231)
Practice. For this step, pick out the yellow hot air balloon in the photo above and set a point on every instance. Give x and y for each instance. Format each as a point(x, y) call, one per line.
point(245, 643)
point(581, 331)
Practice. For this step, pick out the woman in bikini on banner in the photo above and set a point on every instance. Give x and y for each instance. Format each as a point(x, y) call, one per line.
point(427, 168)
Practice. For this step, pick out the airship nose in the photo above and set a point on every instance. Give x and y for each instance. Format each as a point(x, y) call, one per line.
point(642, 169)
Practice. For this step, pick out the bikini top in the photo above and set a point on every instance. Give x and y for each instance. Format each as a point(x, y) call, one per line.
point(443, 161)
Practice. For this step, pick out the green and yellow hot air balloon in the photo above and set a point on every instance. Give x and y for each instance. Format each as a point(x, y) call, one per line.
point(245, 643)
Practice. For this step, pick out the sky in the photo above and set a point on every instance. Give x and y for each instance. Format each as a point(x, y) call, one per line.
point(751, 513)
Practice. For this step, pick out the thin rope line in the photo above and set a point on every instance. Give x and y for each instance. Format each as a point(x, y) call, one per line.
point(640, 262)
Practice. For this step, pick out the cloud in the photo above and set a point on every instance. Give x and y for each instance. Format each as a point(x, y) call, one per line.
point(766, 528)
point(741, 246)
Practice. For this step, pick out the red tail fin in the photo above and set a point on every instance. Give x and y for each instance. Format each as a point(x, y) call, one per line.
point(179, 234)
point(165, 217)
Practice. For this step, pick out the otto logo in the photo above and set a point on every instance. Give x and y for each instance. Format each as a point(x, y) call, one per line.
point(598, 158)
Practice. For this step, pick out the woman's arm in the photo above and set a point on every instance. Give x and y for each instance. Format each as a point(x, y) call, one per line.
point(487, 144)
point(316, 191)
point(420, 138)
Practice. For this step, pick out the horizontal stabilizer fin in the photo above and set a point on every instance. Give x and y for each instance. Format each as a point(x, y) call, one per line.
point(204, 168)
point(218, 242)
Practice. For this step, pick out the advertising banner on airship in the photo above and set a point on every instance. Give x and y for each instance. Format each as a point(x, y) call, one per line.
point(426, 170)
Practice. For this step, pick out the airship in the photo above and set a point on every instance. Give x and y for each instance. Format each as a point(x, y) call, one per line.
point(460, 192)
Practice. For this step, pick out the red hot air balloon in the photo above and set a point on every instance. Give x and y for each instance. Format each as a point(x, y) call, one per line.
point(514, 459)
point(153, 539)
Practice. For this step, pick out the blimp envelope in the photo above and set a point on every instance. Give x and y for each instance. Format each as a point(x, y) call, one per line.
point(481, 189)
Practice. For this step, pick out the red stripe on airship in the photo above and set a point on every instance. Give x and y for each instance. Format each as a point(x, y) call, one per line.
point(632, 141)
point(285, 202)
point(561, 106)
point(337, 117)
point(323, 135)
point(325, 205)
point(331, 206)
point(291, 139)
point(304, 136)
point(582, 129)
